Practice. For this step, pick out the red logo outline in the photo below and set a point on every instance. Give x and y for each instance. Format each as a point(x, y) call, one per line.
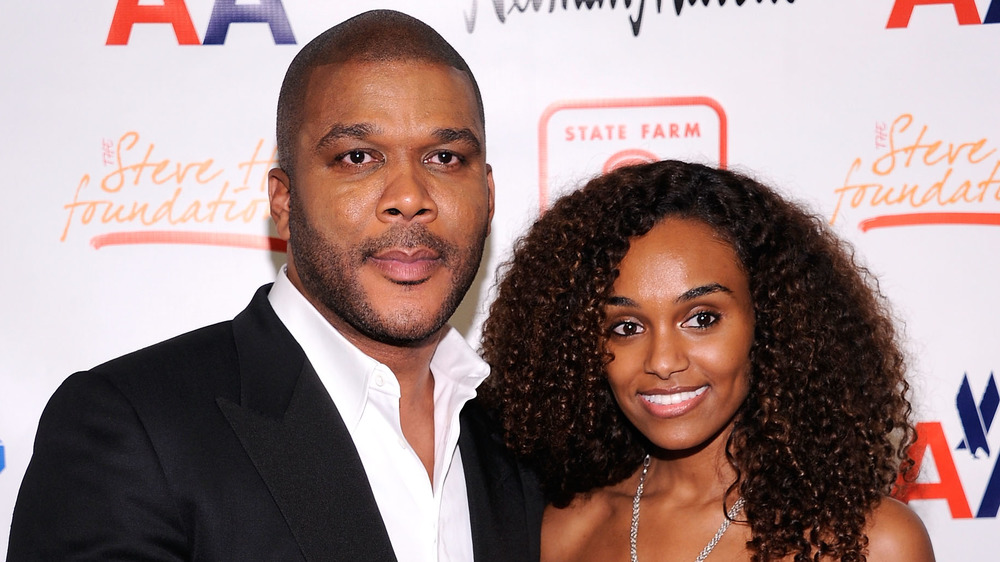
point(543, 167)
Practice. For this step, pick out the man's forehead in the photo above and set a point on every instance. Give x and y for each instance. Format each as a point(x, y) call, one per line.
point(347, 82)
point(357, 69)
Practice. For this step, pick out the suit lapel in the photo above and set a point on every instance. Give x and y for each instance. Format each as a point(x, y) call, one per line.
point(299, 444)
point(505, 504)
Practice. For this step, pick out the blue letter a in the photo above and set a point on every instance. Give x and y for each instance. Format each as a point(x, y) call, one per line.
point(993, 13)
point(225, 12)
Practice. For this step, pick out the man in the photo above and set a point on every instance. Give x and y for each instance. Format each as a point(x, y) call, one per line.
point(329, 420)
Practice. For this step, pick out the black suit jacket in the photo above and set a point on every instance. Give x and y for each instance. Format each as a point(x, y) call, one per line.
point(222, 444)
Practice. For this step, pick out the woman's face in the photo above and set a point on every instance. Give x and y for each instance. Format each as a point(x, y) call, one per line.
point(680, 324)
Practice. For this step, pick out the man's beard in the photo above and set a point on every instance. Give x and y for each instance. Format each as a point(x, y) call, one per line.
point(330, 275)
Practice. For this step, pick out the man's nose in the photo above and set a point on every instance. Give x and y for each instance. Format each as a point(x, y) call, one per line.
point(406, 196)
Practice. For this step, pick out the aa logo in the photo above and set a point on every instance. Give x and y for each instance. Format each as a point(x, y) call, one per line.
point(976, 418)
point(966, 12)
point(175, 13)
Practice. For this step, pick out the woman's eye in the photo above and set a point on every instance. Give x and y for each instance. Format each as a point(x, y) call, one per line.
point(701, 320)
point(627, 328)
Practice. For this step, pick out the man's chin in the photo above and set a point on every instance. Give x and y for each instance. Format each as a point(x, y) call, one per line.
point(408, 313)
point(402, 335)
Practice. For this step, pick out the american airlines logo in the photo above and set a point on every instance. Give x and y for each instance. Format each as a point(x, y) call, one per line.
point(958, 478)
point(977, 418)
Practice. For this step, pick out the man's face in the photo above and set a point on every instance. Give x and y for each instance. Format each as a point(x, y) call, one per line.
point(392, 198)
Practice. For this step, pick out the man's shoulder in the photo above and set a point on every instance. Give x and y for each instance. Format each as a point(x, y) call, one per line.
point(208, 348)
point(201, 363)
point(511, 490)
point(195, 348)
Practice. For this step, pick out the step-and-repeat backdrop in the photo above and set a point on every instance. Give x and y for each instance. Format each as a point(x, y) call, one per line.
point(137, 135)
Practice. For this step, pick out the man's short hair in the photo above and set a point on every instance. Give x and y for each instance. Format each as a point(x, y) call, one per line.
point(375, 36)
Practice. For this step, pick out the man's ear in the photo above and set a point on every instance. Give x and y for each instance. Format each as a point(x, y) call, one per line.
point(489, 185)
point(279, 195)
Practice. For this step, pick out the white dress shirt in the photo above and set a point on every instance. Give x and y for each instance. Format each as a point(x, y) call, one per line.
point(426, 520)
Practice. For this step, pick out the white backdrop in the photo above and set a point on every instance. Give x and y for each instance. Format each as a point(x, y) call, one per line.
point(135, 172)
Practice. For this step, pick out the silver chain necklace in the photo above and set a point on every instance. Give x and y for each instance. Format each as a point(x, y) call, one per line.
point(634, 531)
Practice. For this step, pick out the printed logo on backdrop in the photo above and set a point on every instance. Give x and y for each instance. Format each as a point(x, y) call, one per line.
point(919, 176)
point(634, 9)
point(578, 139)
point(139, 194)
point(965, 11)
point(3, 459)
point(979, 476)
point(175, 13)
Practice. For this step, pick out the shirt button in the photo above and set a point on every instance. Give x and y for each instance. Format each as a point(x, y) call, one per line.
point(379, 381)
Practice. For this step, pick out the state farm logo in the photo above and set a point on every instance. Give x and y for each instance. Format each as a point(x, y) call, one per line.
point(579, 139)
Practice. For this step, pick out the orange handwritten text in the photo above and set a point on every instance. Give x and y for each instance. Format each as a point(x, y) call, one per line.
point(920, 172)
point(147, 189)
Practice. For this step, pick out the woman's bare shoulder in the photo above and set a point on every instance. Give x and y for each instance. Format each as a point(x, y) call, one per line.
point(577, 531)
point(895, 532)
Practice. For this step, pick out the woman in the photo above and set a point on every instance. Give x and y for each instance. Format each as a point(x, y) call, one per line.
point(678, 345)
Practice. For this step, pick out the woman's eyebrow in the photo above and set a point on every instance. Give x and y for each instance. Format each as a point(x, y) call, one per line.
point(701, 291)
point(688, 295)
point(622, 301)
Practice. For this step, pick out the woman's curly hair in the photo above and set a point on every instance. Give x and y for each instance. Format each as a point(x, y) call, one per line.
point(823, 432)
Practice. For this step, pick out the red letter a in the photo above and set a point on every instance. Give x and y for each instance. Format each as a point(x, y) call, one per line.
point(174, 12)
point(930, 435)
point(966, 11)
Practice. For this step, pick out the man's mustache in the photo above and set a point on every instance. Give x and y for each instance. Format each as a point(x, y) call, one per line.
point(408, 237)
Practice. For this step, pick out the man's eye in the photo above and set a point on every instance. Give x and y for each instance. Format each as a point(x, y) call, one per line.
point(701, 320)
point(627, 328)
point(444, 158)
point(356, 157)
